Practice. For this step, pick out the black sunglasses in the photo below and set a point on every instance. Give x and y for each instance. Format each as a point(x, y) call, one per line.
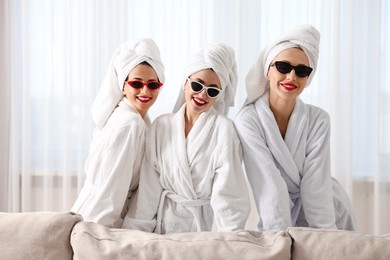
point(138, 84)
point(197, 87)
point(300, 70)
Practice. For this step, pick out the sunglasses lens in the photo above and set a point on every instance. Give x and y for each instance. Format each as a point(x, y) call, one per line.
point(213, 92)
point(153, 85)
point(303, 71)
point(196, 87)
point(135, 84)
point(283, 67)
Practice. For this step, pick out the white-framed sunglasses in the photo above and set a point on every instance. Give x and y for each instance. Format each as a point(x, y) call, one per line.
point(196, 86)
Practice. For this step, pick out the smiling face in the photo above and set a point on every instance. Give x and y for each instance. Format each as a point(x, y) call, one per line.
point(197, 103)
point(141, 99)
point(287, 87)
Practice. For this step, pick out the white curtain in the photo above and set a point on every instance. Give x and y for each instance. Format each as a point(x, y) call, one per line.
point(54, 55)
point(4, 104)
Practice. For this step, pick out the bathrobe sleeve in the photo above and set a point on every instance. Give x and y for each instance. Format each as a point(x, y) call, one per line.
point(114, 173)
point(269, 189)
point(230, 198)
point(316, 182)
point(142, 214)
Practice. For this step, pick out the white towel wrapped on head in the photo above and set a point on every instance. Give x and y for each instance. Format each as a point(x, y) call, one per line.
point(305, 37)
point(221, 59)
point(125, 58)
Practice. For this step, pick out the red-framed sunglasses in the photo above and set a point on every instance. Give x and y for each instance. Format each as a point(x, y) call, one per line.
point(138, 84)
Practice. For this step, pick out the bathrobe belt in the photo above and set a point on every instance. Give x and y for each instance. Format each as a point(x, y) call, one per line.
point(295, 199)
point(191, 205)
point(295, 205)
point(294, 195)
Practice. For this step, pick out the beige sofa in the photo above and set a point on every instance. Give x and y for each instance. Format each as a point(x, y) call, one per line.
point(55, 235)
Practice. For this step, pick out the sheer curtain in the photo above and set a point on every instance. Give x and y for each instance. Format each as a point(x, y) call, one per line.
point(54, 55)
point(4, 104)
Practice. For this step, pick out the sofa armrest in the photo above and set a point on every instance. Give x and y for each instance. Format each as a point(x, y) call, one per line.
point(36, 235)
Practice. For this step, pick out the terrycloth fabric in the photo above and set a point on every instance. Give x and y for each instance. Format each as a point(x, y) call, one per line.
point(221, 59)
point(184, 181)
point(124, 59)
point(305, 37)
point(113, 166)
point(292, 177)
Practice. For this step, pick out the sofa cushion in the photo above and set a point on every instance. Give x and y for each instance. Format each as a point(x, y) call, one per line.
point(94, 241)
point(36, 235)
point(387, 236)
point(309, 243)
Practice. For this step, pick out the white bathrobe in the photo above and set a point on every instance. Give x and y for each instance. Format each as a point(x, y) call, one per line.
point(290, 177)
point(185, 181)
point(112, 167)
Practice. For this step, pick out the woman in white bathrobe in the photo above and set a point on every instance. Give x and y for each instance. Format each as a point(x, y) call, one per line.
point(286, 142)
point(112, 169)
point(192, 173)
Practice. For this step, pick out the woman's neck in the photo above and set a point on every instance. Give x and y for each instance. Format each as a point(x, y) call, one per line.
point(282, 111)
point(189, 121)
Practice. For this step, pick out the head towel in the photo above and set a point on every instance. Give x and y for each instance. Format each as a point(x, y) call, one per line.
point(219, 57)
point(126, 57)
point(305, 37)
